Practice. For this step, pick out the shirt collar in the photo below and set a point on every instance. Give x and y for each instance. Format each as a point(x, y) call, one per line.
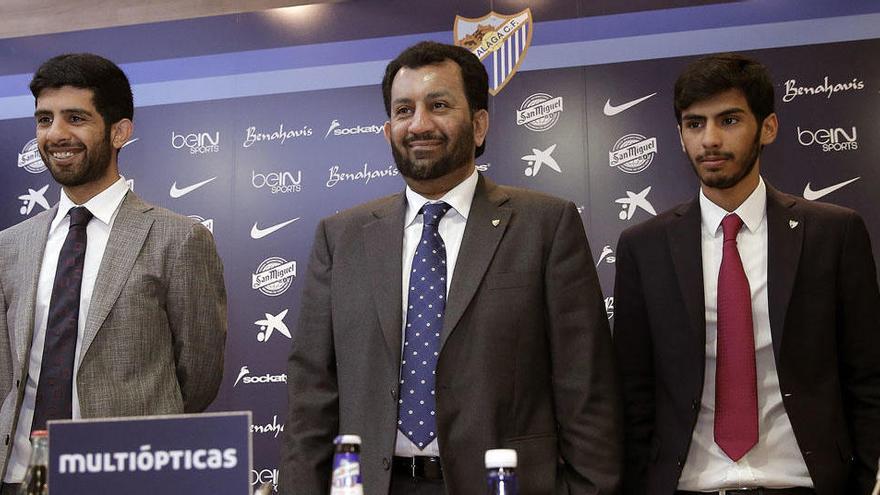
point(102, 206)
point(459, 198)
point(751, 211)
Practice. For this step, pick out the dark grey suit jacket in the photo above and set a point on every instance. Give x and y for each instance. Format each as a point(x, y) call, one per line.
point(525, 361)
point(823, 301)
point(155, 333)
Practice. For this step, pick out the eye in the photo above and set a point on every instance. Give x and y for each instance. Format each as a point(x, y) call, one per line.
point(440, 105)
point(76, 119)
point(730, 120)
point(402, 111)
point(44, 120)
point(693, 124)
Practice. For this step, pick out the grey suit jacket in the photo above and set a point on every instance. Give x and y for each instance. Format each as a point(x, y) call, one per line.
point(525, 358)
point(155, 333)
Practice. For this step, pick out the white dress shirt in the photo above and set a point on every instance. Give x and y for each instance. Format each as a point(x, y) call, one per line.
point(104, 207)
point(775, 461)
point(451, 229)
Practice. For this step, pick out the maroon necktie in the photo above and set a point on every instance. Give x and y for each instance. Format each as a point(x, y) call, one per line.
point(736, 389)
point(55, 386)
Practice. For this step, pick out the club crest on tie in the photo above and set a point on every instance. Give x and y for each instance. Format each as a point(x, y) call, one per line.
point(499, 41)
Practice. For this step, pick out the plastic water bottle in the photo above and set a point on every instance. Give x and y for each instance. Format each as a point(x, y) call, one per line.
point(347, 466)
point(35, 478)
point(501, 472)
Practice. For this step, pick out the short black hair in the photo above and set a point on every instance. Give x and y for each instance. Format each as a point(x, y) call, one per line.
point(475, 80)
point(112, 91)
point(715, 74)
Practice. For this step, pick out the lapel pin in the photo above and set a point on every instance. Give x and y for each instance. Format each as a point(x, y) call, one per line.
point(496, 222)
point(792, 223)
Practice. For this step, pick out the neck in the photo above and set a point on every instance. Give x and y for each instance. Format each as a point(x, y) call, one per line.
point(83, 193)
point(436, 188)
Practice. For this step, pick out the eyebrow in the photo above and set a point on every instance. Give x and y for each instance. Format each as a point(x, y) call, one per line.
point(66, 111)
point(723, 113)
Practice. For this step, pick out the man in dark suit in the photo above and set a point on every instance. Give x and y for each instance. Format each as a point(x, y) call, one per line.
point(518, 357)
point(746, 320)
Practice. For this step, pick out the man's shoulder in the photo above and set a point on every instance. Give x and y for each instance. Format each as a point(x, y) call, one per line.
point(657, 225)
point(814, 209)
point(167, 222)
point(15, 233)
point(365, 212)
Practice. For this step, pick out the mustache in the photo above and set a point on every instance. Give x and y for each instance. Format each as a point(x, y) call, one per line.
point(715, 156)
point(425, 136)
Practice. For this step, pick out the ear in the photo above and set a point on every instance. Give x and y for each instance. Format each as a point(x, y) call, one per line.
point(120, 132)
point(386, 130)
point(481, 126)
point(769, 128)
point(680, 139)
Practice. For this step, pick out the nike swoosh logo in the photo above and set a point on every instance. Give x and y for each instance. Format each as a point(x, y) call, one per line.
point(812, 195)
point(176, 193)
point(258, 233)
point(611, 110)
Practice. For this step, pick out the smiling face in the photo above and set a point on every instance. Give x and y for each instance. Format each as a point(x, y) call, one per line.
point(75, 143)
point(431, 130)
point(723, 141)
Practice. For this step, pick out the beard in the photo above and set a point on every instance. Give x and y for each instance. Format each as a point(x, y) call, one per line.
point(743, 166)
point(92, 167)
point(413, 166)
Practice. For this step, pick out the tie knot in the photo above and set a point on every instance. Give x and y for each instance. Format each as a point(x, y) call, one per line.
point(731, 225)
point(79, 215)
point(433, 212)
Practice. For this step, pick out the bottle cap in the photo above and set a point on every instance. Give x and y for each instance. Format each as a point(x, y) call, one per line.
point(352, 439)
point(500, 458)
point(39, 434)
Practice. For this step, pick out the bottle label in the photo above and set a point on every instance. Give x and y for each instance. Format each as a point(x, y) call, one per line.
point(346, 475)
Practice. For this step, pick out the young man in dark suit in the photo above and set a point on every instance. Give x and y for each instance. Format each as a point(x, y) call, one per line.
point(746, 320)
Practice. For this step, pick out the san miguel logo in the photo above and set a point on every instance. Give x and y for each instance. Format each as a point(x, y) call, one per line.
point(499, 41)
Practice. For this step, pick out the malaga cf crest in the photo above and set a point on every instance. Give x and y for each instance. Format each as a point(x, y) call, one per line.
point(500, 42)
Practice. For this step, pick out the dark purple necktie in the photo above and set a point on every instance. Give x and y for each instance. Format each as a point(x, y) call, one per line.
point(55, 387)
point(424, 321)
point(736, 389)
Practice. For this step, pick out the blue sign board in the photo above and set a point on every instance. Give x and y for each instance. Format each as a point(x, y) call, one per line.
point(206, 454)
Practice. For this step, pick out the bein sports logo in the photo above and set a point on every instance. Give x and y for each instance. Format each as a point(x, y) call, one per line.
point(277, 182)
point(198, 143)
point(831, 139)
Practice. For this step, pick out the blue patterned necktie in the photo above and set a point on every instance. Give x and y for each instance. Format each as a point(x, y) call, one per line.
point(55, 386)
point(424, 322)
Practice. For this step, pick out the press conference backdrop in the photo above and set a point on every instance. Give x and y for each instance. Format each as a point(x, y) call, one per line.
point(262, 142)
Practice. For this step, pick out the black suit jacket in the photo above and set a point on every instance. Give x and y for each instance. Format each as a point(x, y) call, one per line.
point(525, 361)
point(823, 302)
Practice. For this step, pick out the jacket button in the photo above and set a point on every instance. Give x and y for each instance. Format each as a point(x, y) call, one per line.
point(808, 453)
point(695, 405)
point(7, 439)
point(392, 394)
point(386, 465)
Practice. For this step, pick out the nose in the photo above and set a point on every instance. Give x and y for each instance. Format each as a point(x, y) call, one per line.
point(57, 131)
point(421, 120)
point(711, 136)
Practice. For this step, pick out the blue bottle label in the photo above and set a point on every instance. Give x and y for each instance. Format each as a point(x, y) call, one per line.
point(346, 475)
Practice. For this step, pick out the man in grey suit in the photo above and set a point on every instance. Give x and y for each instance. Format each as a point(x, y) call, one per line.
point(518, 357)
point(108, 306)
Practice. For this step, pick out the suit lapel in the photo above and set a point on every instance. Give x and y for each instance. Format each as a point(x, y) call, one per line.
point(127, 236)
point(487, 221)
point(785, 235)
point(33, 246)
point(687, 258)
point(383, 243)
